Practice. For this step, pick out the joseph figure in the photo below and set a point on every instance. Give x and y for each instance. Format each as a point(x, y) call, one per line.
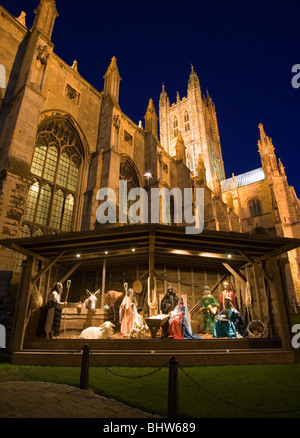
point(169, 301)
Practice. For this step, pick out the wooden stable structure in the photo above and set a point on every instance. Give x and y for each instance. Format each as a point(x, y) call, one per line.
point(156, 255)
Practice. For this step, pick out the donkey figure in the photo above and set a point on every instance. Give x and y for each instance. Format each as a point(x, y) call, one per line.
point(90, 302)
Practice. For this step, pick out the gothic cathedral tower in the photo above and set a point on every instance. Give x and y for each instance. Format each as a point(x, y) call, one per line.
point(195, 117)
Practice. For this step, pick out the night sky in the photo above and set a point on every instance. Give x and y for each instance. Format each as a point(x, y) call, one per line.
point(242, 51)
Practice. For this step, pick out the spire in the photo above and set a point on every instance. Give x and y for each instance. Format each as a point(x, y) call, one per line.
point(163, 100)
point(75, 66)
point(267, 152)
point(151, 119)
point(46, 13)
point(281, 167)
point(180, 148)
point(22, 18)
point(193, 79)
point(112, 80)
point(265, 143)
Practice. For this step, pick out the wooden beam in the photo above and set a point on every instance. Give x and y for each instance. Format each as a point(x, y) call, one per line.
point(259, 267)
point(47, 266)
point(26, 252)
point(240, 277)
point(69, 273)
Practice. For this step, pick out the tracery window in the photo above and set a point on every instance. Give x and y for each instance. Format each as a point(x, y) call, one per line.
point(56, 166)
point(186, 119)
point(128, 173)
point(175, 127)
point(255, 207)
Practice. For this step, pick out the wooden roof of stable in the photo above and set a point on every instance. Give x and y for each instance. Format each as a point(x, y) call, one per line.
point(171, 245)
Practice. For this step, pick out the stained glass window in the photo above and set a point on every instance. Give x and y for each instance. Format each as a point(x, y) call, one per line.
point(51, 163)
point(68, 213)
point(32, 202)
point(56, 167)
point(57, 209)
point(43, 205)
point(63, 170)
point(255, 207)
point(73, 176)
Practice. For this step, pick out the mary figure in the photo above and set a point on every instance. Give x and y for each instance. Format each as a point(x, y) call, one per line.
point(180, 324)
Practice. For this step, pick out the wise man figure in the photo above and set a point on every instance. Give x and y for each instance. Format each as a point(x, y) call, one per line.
point(227, 293)
point(209, 307)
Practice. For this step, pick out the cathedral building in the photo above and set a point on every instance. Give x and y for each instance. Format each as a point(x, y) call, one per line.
point(61, 140)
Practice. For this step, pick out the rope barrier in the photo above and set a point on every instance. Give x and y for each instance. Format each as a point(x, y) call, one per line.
point(172, 364)
point(130, 377)
point(220, 399)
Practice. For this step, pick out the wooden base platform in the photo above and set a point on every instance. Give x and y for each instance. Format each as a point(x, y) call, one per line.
point(153, 352)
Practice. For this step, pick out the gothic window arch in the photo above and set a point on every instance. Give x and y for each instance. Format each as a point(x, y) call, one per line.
point(175, 127)
point(56, 167)
point(128, 173)
point(186, 120)
point(255, 207)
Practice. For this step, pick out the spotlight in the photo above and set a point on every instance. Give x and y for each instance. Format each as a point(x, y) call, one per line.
point(78, 256)
point(229, 256)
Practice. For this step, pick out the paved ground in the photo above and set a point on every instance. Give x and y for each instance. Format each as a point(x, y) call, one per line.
point(49, 400)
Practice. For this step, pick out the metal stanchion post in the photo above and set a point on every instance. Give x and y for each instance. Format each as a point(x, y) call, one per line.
point(173, 396)
point(84, 375)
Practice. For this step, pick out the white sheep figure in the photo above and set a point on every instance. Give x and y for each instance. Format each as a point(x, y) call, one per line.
point(103, 332)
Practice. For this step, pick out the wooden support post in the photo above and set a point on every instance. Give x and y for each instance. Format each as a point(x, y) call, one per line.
point(257, 294)
point(22, 303)
point(103, 284)
point(280, 304)
point(151, 264)
point(193, 285)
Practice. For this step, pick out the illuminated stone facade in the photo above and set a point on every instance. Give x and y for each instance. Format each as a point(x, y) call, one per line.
point(62, 140)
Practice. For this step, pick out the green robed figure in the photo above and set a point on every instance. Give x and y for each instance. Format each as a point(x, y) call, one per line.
point(209, 306)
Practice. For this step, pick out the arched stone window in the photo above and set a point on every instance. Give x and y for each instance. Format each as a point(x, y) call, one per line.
point(175, 127)
point(186, 120)
point(56, 168)
point(255, 207)
point(128, 173)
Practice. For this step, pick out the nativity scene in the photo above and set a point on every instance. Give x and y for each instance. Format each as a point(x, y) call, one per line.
point(137, 307)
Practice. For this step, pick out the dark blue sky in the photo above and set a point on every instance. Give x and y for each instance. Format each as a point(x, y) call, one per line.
point(243, 52)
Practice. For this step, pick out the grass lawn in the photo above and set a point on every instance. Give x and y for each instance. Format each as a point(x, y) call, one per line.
point(264, 391)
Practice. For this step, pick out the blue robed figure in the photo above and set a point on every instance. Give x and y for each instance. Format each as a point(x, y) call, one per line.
point(230, 323)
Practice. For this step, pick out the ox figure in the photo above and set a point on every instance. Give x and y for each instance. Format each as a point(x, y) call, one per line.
point(111, 298)
point(90, 302)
